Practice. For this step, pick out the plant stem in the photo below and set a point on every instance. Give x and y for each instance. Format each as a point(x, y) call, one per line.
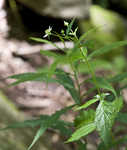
point(76, 79)
point(90, 70)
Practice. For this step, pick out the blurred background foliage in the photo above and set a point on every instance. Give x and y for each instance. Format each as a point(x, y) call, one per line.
point(110, 18)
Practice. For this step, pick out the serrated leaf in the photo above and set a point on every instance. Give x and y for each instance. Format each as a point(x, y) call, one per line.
point(83, 131)
point(64, 79)
point(87, 104)
point(107, 48)
point(84, 118)
point(106, 113)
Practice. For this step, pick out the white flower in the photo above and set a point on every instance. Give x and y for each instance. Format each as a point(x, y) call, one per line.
point(102, 96)
point(66, 23)
point(97, 96)
point(106, 94)
point(73, 32)
point(48, 32)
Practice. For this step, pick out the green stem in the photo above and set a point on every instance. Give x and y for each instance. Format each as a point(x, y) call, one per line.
point(76, 79)
point(90, 70)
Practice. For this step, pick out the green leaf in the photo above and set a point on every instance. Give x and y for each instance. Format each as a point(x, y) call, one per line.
point(102, 146)
point(54, 117)
point(83, 131)
point(87, 104)
point(69, 27)
point(107, 49)
point(39, 76)
point(62, 59)
point(89, 91)
point(82, 37)
point(82, 145)
point(84, 118)
point(37, 136)
point(49, 54)
point(26, 77)
point(104, 84)
point(119, 141)
point(122, 117)
point(75, 55)
point(106, 113)
point(63, 127)
point(64, 79)
point(114, 144)
point(45, 41)
point(31, 77)
point(53, 68)
point(26, 123)
point(49, 121)
point(96, 64)
point(118, 77)
point(23, 75)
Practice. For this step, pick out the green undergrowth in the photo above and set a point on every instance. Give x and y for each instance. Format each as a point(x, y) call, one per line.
point(108, 98)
